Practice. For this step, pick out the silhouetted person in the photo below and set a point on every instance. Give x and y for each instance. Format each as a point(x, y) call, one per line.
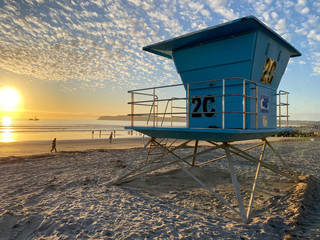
point(54, 145)
point(110, 138)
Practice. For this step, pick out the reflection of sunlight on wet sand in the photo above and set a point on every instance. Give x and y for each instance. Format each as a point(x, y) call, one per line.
point(6, 135)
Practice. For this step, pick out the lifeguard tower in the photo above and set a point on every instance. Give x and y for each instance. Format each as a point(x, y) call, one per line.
point(230, 74)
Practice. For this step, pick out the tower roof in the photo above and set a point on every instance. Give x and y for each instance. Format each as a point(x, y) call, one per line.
point(218, 32)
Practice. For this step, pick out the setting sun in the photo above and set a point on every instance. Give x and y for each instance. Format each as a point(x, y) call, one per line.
point(9, 99)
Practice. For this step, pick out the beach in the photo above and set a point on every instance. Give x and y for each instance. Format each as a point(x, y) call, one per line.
point(23, 148)
point(71, 194)
point(34, 147)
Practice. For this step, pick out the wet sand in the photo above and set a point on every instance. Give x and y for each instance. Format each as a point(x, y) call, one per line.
point(23, 148)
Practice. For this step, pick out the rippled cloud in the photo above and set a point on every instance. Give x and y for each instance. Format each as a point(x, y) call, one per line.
point(98, 43)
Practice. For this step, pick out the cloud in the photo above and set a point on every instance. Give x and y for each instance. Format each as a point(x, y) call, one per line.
point(316, 63)
point(314, 35)
point(301, 3)
point(196, 6)
point(316, 6)
point(219, 6)
point(135, 2)
point(301, 31)
point(305, 10)
point(97, 43)
point(266, 16)
point(281, 26)
point(70, 44)
point(316, 68)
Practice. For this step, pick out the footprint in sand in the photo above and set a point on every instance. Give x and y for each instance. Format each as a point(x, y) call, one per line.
point(26, 228)
point(7, 222)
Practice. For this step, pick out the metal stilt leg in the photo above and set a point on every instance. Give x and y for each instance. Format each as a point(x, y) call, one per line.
point(210, 190)
point(195, 151)
point(235, 184)
point(255, 183)
point(283, 162)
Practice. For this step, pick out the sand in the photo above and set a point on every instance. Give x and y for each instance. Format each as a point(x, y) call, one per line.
point(71, 195)
point(23, 148)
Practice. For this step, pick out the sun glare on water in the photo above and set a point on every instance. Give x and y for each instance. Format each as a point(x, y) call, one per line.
point(6, 121)
point(9, 103)
point(9, 99)
point(6, 133)
point(6, 136)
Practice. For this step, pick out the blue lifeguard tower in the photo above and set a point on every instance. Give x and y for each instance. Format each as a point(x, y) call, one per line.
point(230, 74)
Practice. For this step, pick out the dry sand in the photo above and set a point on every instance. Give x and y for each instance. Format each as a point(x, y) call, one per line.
point(70, 195)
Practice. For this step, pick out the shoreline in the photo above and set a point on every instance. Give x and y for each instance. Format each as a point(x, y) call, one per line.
point(36, 147)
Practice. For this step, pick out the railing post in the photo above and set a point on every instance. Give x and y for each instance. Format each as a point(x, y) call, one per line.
point(223, 103)
point(187, 102)
point(157, 114)
point(244, 105)
point(171, 110)
point(287, 109)
point(132, 109)
point(279, 109)
point(154, 107)
point(257, 106)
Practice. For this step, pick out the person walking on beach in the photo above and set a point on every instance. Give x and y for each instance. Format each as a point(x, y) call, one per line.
point(110, 138)
point(54, 143)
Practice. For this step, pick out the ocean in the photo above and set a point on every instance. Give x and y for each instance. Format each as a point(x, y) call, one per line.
point(70, 129)
point(63, 129)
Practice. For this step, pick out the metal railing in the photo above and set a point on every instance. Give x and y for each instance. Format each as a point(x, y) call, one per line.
point(183, 103)
point(283, 104)
point(171, 112)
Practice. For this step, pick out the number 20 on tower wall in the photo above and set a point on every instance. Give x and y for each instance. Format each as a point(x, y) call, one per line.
point(202, 107)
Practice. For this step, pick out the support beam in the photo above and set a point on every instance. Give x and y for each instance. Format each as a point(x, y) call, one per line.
point(194, 152)
point(210, 190)
point(255, 183)
point(216, 159)
point(235, 184)
point(171, 151)
point(166, 148)
point(134, 173)
point(283, 162)
point(149, 141)
point(255, 160)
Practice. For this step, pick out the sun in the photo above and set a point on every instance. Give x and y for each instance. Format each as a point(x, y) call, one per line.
point(9, 99)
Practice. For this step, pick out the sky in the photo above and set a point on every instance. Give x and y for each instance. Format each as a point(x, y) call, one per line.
point(77, 59)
